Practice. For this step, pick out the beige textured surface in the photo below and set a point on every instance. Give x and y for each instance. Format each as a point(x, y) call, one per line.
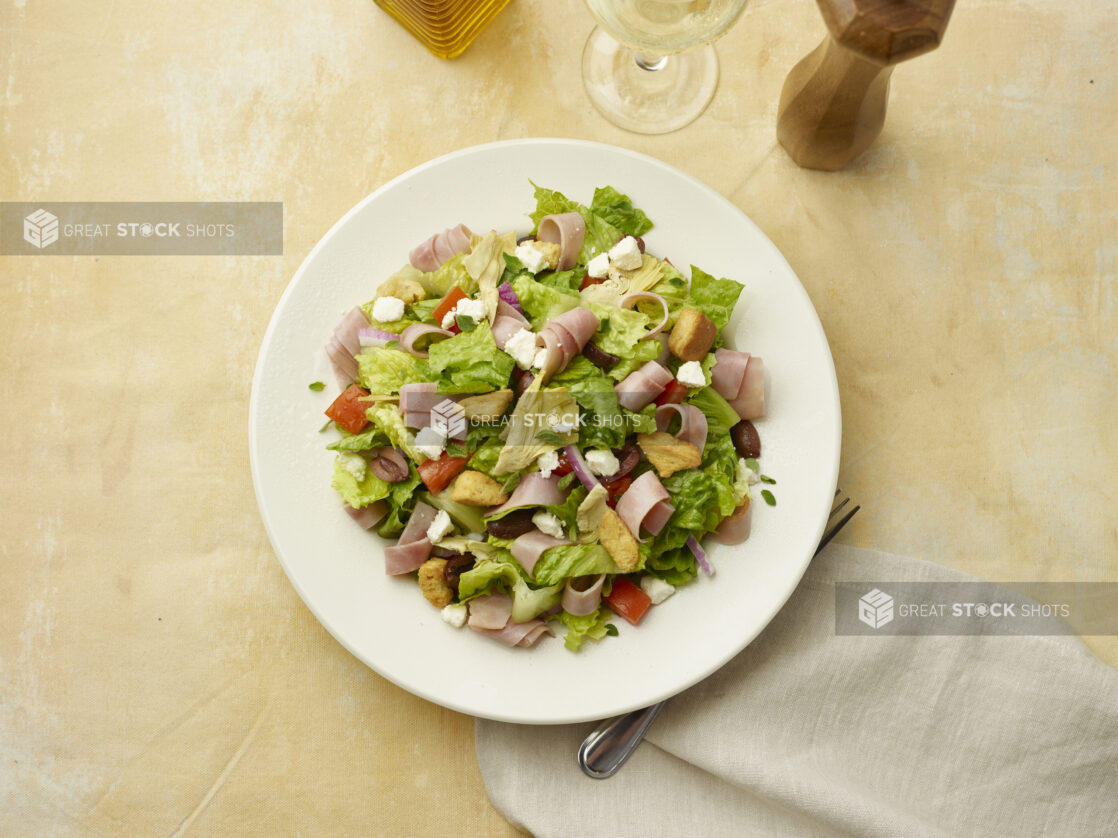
point(158, 674)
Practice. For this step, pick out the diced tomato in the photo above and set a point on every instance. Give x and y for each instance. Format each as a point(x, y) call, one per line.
point(437, 474)
point(627, 600)
point(448, 302)
point(564, 466)
point(588, 280)
point(348, 410)
point(674, 393)
point(617, 488)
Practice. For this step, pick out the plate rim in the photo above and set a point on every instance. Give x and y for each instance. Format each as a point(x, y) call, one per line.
point(777, 603)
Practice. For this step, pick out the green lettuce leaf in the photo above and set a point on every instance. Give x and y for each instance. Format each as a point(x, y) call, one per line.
point(468, 517)
point(492, 574)
point(359, 493)
point(720, 416)
point(470, 362)
point(388, 420)
point(601, 235)
point(382, 370)
point(372, 438)
point(560, 563)
point(619, 211)
point(590, 627)
point(713, 297)
point(542, 302)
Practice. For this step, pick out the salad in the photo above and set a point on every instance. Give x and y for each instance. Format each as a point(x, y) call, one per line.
point(547, 424)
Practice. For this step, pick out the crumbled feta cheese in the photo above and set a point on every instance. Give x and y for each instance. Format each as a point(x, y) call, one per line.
point(598, 267)
point(522, 347)
point(602, 462)
point(448, 318)
point(439, 527)
point(745, 474)
point(530, 258)
point(388, 309)
point(454, 614)
point(540, 359)
point(476, 536)
point(548, 523)
point(470, 308)
point(562, 426)
point(626, 254)
point(691, 374)
point(354, 464)
point(657, 589)
point(548, 463)
point(431, 441)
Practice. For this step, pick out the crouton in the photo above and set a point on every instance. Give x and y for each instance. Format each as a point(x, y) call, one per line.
point(476, 489)
point(619, 542)
point(668, 454)
point(432, 581)
point(402, 288)
point(488, 407)
point(693, 335)
point(548, 250)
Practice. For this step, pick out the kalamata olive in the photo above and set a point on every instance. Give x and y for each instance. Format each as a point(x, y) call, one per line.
point(628, 456)
point(599, 357)
point(521, 380)
point(527, 238)
point(516, 523)
point(389, 465)
point(455, 567)
point(747, 442)
point(443, 552)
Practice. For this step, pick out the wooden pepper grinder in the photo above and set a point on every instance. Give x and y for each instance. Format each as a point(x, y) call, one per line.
point(833, 103)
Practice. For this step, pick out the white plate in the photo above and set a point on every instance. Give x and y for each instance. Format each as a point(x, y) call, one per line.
point(337, 568)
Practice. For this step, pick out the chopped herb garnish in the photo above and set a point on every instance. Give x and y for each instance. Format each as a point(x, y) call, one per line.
point(550, 437)
point(329, 422)
point(611, 630)
point(566, 480)
point(317, 386)
point(768, 496)
point(752, 464)
point(604, 328)
point(456, 449)
point(465, 322)
point(766, 479)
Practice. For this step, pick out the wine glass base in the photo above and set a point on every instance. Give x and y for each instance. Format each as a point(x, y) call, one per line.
point(652, 95)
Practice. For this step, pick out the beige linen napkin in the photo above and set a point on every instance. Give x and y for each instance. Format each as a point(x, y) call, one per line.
point(806, 732)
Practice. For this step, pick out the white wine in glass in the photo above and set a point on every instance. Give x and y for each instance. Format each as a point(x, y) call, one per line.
point(649, 66)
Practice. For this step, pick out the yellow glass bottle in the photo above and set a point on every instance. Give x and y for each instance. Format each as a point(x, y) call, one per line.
point(445, 27)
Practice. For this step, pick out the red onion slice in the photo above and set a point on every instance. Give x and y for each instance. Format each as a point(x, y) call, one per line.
point(579, 466)
point(630, 301)
point(412, 333)
point(507, 295)
point(699, 554)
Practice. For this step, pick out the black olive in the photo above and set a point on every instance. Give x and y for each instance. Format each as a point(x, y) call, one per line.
point(747, 442)
point(599, 357)
point(455, 567)
point(516, 523)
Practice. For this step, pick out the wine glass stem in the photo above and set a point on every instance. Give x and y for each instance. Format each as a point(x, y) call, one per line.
point(650, 62)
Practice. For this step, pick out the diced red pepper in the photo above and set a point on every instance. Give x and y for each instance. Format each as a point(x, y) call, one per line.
point(437, 473)
point(588, 280)
point(627, 600)
point(617, 488)
point(348, 410)
point(674, 393)
point(448, 302)
point(564, 466)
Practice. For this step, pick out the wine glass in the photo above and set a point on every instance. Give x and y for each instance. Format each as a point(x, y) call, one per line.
point(649, 65)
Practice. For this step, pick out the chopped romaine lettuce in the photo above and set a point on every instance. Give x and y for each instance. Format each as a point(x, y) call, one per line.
point(589, 627)
point(470, 362)
point(567, 560)
point(383, 371)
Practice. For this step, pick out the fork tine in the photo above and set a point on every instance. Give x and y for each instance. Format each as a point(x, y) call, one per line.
point(838, 525)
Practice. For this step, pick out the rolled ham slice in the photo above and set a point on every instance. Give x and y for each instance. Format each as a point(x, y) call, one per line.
point(413, 547)
point(491, 611)
point(367, 516)
point(528, 548)
point(735, 529)
point(692, 423)
point(344, 344)
point(728, 372)
point(533, 490)
point(581, 603)
point(631, 300)
point(645, 503)
point(750, 400)
point(419, 397)
point(430, 255)
point(417, 419)
point(565, 336)
point(523, 635)
point(505, 327)
point(641, 387)
point(567, 230)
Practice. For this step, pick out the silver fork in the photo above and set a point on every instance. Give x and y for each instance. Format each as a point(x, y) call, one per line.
point(605, 750)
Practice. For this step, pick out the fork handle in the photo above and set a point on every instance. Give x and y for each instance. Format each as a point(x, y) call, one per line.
point(605, 750)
